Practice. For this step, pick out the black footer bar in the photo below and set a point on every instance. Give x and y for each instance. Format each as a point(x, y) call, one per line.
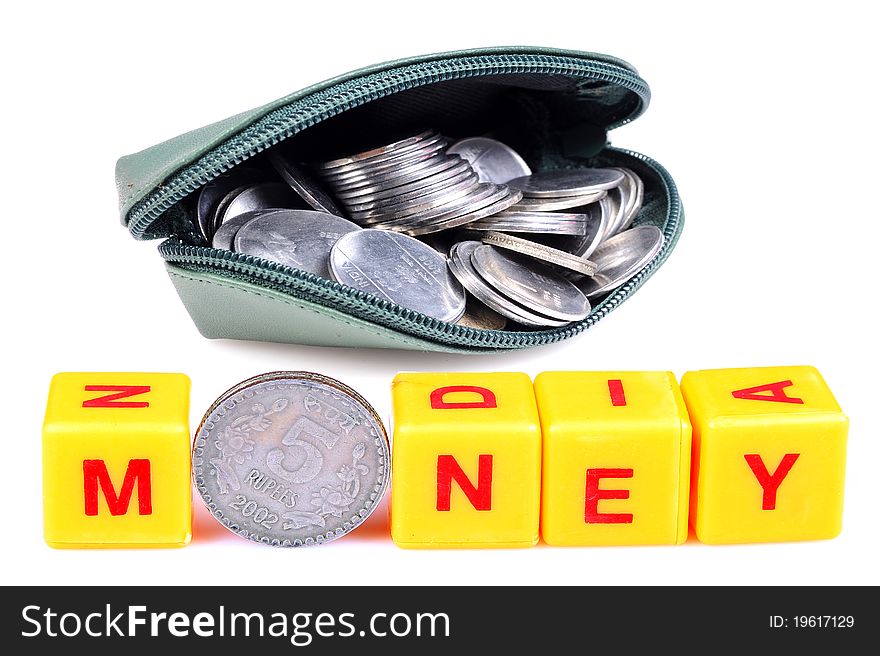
point(437, 619)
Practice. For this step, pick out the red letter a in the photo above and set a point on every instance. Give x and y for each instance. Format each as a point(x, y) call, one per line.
point(776, 393)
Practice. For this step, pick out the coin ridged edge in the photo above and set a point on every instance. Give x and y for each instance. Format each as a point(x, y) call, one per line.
point(540, 252)
point(240, 389)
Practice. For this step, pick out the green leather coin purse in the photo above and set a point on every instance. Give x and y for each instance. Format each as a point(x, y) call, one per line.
point(554, 107)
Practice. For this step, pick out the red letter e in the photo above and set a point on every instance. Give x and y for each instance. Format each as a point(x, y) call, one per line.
point(593, 495)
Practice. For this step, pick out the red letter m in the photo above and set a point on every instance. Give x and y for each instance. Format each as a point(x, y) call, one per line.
point(95, 473)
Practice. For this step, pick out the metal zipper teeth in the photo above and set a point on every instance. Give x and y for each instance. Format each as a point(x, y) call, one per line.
point(365, 306)
point(286, 121)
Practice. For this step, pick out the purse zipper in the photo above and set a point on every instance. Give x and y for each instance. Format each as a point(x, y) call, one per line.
point(316, 107)
point(286, 121)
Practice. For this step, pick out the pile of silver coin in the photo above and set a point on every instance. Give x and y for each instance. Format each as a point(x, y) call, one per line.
point(425, 223)
point(416, 186)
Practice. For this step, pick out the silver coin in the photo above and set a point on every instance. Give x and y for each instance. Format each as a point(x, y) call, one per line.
point(492, 160)
point(482, 317)
point(427, 202)
point(556, 223)
point(637, 195)
point(462, 267)
point(466, 181)
point(220, 210)
point(497, 202)
point(584, 245)
point(434, 147)
point(399, 178)
point(553, 204)
point(540, 252)
point(213, 192)
point(399, 269)
point(537, 288)
point(267, 195)
point(403, 145)
point(483, 194)
point(627, 190)
point(424, 152)
point(431, 183)
point(291, 459)
point(303, 184)
point(407, 168)
point(297, 238)
point(622, 257)
point(564, 229)
point(616, 201)
point(569, 182)
point(632, 192)
point(224, 238)
point(417, 158)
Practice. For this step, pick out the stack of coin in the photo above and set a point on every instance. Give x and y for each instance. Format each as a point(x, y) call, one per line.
point(585, 189)
point(587, 206)
point(525, 292)
point(462, 201)
point(414, 186)
point(527, 284)
point(544, 223)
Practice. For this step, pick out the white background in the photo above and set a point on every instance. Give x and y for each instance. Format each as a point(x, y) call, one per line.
point(765, 114)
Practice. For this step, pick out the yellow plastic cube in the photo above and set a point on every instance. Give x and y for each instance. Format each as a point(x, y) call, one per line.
point(616, 461)
point(116, 461)
point(769, 455)
point(466, 460)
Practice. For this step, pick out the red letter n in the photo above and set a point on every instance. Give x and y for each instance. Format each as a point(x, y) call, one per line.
point(593, 495)
point(112, 400)
point(770, 484)
point(95, 473)
point(448, 470)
